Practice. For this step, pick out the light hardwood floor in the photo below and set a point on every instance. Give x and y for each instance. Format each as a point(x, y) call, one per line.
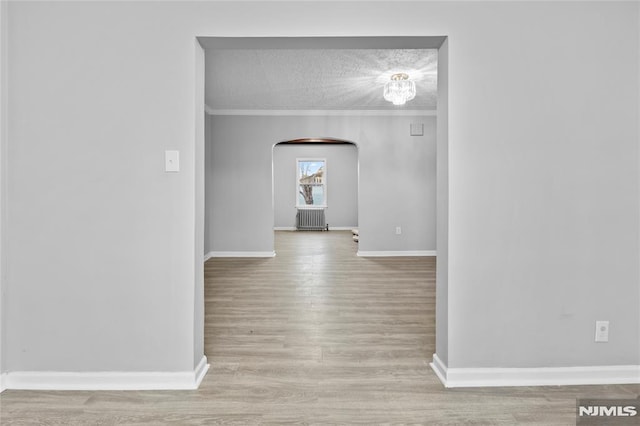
point(315, 335)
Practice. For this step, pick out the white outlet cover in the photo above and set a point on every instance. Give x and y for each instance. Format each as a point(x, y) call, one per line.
point(172, 161)
point(602, 331)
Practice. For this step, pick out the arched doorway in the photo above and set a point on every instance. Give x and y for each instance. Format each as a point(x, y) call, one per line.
point(336, 190)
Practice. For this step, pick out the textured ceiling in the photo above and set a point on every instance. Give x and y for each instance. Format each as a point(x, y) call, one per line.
point(315, 79)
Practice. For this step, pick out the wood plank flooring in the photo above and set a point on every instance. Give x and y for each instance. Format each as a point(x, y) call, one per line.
point(315, 335)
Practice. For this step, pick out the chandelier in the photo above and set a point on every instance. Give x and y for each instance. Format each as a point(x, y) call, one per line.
point(399, 89)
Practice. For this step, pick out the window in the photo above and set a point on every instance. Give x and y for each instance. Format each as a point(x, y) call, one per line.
point(311, 183)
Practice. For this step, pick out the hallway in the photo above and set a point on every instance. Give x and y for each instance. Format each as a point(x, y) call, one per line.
point(319, 334)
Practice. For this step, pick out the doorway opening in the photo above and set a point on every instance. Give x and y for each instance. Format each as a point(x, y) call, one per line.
point(239, 162)
point(315, 184)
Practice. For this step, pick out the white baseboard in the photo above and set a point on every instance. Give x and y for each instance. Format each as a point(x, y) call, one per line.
point(200, 371)
point(544, 376)
point(440, 369)
point(107, 380)
point(396, 253)
point(3, 381)
point(331, 228)
point(239, 254)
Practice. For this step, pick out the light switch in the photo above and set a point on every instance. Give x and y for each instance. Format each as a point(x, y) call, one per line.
point(172, 161)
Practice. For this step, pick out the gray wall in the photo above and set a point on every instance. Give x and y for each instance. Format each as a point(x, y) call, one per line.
point(397, 178)
point(102, 240)
point(341, 183)
point(240, 186)
point(543, 185)
point(208, 205)
point(543, 176)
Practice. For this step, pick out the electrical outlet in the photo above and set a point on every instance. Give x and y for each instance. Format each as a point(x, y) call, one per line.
point(398, 230)
point(602, 331)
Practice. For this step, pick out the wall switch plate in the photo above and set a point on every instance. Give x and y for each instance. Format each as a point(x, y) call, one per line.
point(602, 331)
point(172, 161)
point(398, 230)
point(416, 129)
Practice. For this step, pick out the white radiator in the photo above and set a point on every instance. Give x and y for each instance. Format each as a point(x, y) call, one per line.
point(311, 220)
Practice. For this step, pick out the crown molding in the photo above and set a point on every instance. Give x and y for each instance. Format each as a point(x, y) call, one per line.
point(321, 112)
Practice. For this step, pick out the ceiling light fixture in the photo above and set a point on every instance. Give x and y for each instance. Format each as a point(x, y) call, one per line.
point(399, 89)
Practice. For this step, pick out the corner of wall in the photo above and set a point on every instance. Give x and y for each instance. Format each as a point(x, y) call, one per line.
point(199, 204)
point(442, 203)
point(3, 181)
point(638, 136)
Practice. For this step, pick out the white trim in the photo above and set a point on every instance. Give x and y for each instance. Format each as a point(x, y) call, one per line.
point(439, 368)
point(208, 256)
point(240, 254)
point(3, 381)
point(201, 371)
point(107, 380)
point(396, 253)
point(284, 228)
point(322, 112)
point(208, 110)
point(544, 376)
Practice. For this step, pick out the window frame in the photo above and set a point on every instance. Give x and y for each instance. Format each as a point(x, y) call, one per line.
point(324, 182)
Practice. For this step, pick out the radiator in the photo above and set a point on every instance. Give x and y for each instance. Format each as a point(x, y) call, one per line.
point(311, 220)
